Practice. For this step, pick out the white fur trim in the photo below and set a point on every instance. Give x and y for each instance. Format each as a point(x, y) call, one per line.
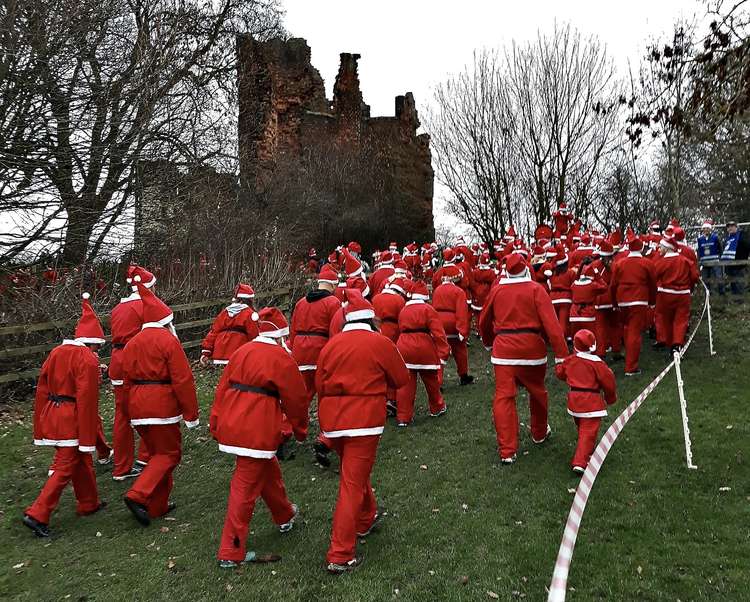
point(673, 291)
point(75, 342)
point(348, 327)
point(423, 366)
point(90, 340)
point(595, 414)
point(245, 296)
point(116, 382)
point(191, 424)
point(632, 303)
point(561, 300)
point(86, 449)
point(363, 432)
point(361, 314)
point(307, 367)
point(170, 420)
point(247, 452)
point(276, 334)
point(502, 361)
point(57, 442)
point(589, 356)
point(220, 362)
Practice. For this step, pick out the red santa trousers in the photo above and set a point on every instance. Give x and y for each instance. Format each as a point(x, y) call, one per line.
point(154, 484)
point(102, 447)
point(356, 506)
point(309, 377)
point(672, 317)
point(253, 478)
point(407, 394)
point(563, 316)
point(634, 322)
point(507, 379)
point(460, 353)
point(588, 432)
point(68, 465)
point(123, 436)
point(607, 335)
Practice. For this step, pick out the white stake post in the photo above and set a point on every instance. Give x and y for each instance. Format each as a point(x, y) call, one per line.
point(710, 326)
point(683, 409)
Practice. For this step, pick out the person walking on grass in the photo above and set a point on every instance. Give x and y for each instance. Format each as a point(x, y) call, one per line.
point(66, 406)
point(161, 394)
point(517, 320)
point(235, 325)
point(587, 376)
point(259, 389)
point(355, 369)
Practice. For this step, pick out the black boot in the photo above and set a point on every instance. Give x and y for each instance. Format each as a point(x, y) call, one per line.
point(285, 451)
point(466, 379)
point(321, 454)
point(139, 512)
point(39, 529)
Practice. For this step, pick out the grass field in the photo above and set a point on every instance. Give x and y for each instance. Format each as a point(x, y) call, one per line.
point(460, 526)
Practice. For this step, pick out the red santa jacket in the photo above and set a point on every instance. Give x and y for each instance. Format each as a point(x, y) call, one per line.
point(581, 252)
point(125, 321)
point(482, 279)
point(517, 320)
point(310, 326)
point(559, 285)
point(450, 303)
point(422, 341)
point(675, 274)
point(355, 369)
point(66, 402)
point(587, 376)
point(584, 293)
point(159, 379)
point(603, 300)
point(379, 278)
point(688, 252)
point(633, 281)
point(388, 306)
point(260, 385)
point(232, 328)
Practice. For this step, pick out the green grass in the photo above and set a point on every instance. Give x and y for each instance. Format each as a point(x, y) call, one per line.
point(463, 527)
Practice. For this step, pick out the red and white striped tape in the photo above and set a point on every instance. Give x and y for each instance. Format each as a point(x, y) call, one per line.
point(558, 587)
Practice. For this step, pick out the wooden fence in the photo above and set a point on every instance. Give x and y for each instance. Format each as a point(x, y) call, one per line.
point(23, 361)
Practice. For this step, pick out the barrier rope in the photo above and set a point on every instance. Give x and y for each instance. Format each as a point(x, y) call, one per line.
point(558, 587)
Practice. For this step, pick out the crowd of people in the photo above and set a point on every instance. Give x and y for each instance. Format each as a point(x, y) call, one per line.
point(360, 342)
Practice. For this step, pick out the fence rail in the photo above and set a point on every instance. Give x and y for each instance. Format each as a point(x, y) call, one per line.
point(19, 373)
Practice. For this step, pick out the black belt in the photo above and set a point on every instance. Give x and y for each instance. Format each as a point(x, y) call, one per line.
point(58, 399)
point(118, 345)
point(391, 320)
point(311, 333)
point(151, 382)
point(234, 329)
point(559, 290)
point(502, 331)
point(584, 390)
point(416, 330)
point(252, 389)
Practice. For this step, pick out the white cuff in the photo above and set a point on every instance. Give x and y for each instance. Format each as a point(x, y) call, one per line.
point(191, 424)
point(559, 360)
point(86, 449)
point(206, 351)
point(460, 337)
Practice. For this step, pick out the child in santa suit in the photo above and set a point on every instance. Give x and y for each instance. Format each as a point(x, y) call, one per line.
point(424, 347)
point(355, 369)
point(233, 327)
point(592, 388)
point(66, 405)
point(161, 394)
point(260, 387)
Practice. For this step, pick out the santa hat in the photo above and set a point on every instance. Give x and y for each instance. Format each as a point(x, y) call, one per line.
point(328, 275)
point(244, 291)
point(515, 266)
point(521, 250)
point(147, 278)
point(551, 252)
point(668, 242)
point(584, 341)
point(635, 243)
point(312, 252)
point(354, 247)
point(352, 265)
point(418, 291)
point(586, 238)
point(357, 307)
point(411, 248)
point(679, 234)
point(484, 258)
point(155, 311)
point(451, 273)
point(272, 323)
point(563, 208)
point(393, 246)
point(654, 226)
point(560, 257)
point(398, 285)
point(605, 249)
point(449, 255)
point(359, 283)
point(426, 259)
point(510, 234)
point(590, 271)
point(89, 329)
point(400, 267)
point(709, 223)
point(386, 258)
point(616, 238)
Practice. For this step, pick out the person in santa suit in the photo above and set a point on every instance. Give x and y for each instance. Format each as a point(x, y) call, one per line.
point(449, 262)
point(582, 251)
point(309, 332)
point(559, 285)
point(411, 257)
point(385, 270)
point(313, 263)
point(235, 325)
point(562, 217)
point(387, 306)
point(683, 248)
point(609, 329)
point(355, 369)
point(161, 394)
point(355, 277)
point(633, 286)
point(424, 347)
point(676, 275)
point(356, 250)
point(125, 321)
point(259, 390)
point(482, 277)
point(427, 270)
point(588, 377)
point(449, 301)
point(66, 410)
point(584, 292)
point(517, 320)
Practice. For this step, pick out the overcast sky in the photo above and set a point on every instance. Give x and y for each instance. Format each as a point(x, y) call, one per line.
point(410, 45)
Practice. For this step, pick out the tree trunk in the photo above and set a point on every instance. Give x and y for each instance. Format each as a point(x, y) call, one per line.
point(81, 224)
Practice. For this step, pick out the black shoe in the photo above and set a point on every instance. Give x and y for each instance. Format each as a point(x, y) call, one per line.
point(139, 512)
point(617, 357)
point(380, 514)
point(658, 345)
point(635, 373)
point(134, 473)
point(39, 529)
point(170, 506)
point(102, 505)
point(346, 567)
point(285, 451)
point(390, 408)
point(466, 379)
point(321, 451)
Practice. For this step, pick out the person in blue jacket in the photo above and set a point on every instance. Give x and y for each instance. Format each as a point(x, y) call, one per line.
point(709, 250)
point(736, 248)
